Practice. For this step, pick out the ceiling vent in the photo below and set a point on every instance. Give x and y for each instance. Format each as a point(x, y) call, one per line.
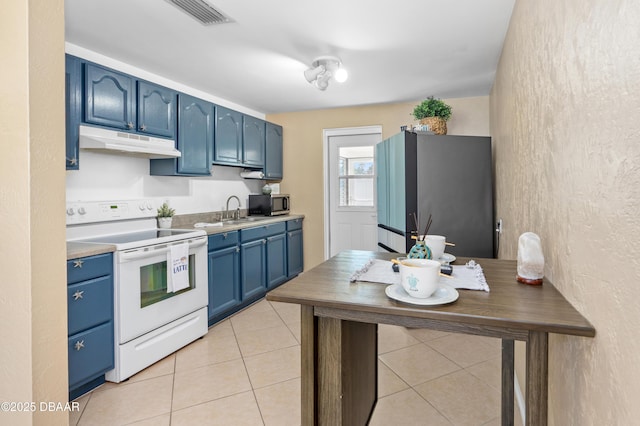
point(202, 11)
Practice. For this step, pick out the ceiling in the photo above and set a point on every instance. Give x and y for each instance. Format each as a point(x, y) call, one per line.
point(394, 51)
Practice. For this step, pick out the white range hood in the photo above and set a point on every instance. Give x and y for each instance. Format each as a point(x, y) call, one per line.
point(115, 142)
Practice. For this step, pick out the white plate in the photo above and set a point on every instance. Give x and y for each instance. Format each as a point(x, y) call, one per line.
point(444, 294)
point(447, 258)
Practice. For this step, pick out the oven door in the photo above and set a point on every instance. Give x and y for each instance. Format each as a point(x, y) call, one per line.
point(142, 302)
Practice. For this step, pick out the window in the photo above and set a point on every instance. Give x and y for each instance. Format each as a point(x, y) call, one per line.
point(356, 176)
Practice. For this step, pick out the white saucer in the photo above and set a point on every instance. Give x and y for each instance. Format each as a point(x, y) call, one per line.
point(446, 258)
point(444, 294)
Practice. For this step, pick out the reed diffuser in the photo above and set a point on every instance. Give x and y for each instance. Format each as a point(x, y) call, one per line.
point(420, 250)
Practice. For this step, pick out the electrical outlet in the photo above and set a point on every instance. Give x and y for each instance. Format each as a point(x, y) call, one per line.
point(499, 226)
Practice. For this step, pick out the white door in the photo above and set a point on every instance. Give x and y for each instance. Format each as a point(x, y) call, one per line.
point(352, 222)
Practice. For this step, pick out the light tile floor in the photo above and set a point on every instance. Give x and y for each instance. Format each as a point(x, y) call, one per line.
point(246, 371)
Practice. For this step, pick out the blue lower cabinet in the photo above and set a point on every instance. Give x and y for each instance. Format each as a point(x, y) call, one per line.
point(89, 321)
point(86, 305)
point(295, 254)
point(295, 262)
point(224, 280)
point(254, 268)
point(276, 260)
point(245, 264)
point(90, 354)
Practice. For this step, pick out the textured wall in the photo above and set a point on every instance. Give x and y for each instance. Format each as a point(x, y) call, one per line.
point(33, 311)
point(565, 111)
point(303, 168)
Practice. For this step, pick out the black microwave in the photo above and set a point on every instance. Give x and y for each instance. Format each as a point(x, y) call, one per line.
point(269, 205)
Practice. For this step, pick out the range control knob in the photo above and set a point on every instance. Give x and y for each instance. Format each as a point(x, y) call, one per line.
point(81, 210)
point(149, 206)
point(141, 207)
point(70, 211)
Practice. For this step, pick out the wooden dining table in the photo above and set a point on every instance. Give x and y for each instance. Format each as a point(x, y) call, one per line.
point(339, 333)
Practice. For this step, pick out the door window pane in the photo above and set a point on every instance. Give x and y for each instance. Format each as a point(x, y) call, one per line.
point(356, 176)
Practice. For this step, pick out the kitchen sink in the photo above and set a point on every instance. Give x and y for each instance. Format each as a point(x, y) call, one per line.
point(242, 220)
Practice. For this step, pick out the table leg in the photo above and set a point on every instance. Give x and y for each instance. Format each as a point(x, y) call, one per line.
point(507, 383)
point(537, 378)
point(339, 371)
point(308, 357)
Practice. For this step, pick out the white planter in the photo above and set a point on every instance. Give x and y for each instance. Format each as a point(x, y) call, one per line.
point(164, 222)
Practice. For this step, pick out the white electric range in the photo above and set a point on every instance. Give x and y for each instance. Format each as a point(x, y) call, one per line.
point(151, 321)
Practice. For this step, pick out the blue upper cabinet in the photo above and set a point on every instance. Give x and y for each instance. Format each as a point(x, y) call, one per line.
point(109, 98)
point(156, 110)
point(195, 135)
point(73, 109)
point(273, 152)
point(228, 139)
point(253, 138)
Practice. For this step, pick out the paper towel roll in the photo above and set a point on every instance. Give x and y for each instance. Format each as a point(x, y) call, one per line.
point(257, 174)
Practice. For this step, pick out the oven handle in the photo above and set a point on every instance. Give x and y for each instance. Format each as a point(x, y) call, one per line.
point(150, 251)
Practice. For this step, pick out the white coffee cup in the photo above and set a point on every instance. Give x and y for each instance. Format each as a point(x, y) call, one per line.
point(436, 245)
point(419, 277)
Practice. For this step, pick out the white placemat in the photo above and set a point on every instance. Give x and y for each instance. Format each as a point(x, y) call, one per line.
point(463, 277)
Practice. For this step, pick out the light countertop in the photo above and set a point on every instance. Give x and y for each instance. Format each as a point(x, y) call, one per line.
point(76, 249)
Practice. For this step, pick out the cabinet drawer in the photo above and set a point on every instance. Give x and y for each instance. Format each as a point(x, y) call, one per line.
point(85, 268)
point(222, 240)
point(90, 354)
point(262, 231)
point(89, 303)
point(294, 224)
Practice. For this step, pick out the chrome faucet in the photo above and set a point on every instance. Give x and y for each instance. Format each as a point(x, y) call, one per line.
point(236, 214)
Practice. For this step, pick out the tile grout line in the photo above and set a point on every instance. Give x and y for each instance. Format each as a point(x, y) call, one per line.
point(246, 370)
point(173, 385)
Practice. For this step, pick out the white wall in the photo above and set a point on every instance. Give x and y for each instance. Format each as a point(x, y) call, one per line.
point(117, 177)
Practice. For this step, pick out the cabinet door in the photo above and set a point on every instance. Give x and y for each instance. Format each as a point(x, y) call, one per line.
point(109, 98)
point(156, 110)
point(228, 140)
point(73, 109)
point(253, 139)
point(90, 354)
point(382, 181)
point(224, 280)
point(87, 303)
point(195, 135)
point(254, 268)
point(397, 184)
point(273, 152)
point(276, 260)
point(295, 256)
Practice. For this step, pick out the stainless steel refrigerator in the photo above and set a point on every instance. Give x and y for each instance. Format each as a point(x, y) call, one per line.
point(447, 177)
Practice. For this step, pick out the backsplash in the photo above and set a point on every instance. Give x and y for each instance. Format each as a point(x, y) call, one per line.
point(117, 177)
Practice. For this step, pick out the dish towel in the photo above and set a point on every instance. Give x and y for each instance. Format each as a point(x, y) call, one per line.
point(463, 277)
point(178, 267)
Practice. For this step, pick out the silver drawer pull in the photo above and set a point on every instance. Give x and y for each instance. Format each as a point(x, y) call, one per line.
point(78, 294)
point(79, 345)
point(78, 263)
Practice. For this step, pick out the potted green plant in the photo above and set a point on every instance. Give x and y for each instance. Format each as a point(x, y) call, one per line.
point(434, 113)
point(165, 215)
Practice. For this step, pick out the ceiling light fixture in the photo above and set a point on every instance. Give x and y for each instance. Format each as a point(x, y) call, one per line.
point(322, 69)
